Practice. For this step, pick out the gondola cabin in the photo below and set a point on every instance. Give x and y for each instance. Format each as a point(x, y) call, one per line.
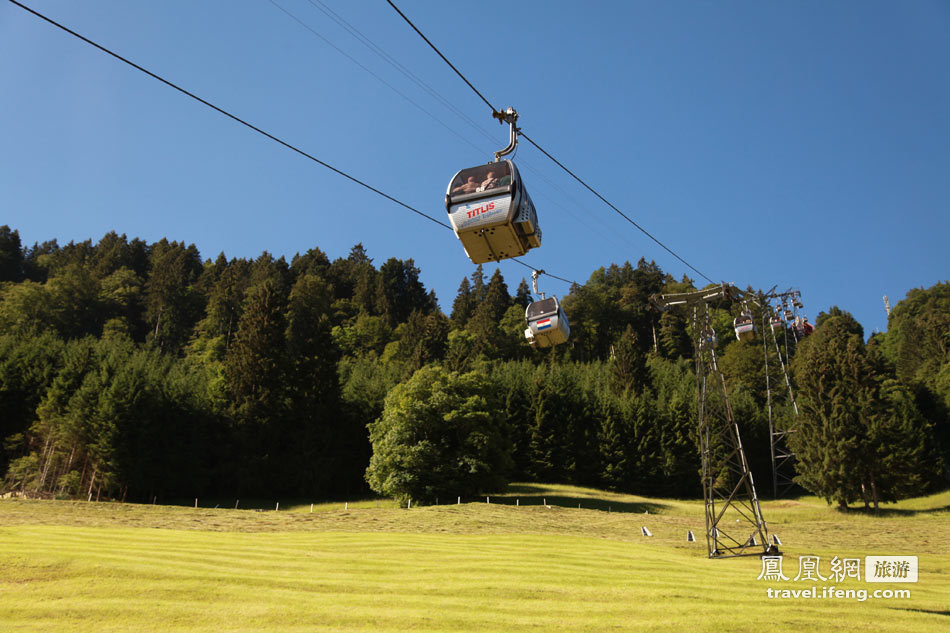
point(492, 213)
point(802, 327)
point(745, 328)
point(547, 323)
point(776, 323)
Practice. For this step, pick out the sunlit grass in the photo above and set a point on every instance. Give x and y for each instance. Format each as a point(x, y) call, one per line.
point(74, 566)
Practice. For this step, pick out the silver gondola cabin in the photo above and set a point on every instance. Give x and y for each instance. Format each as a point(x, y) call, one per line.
point(745, 328)
point(547, 323)
point(492, 213)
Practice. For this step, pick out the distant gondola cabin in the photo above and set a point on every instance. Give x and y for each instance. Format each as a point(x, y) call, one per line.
point(547, 323)
point(745, 328)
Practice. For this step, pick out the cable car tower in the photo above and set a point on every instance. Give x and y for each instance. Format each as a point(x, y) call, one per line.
point(776, 315)
point(734, 523)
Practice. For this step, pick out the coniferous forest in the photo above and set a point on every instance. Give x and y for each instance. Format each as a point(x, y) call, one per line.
point(141, 371)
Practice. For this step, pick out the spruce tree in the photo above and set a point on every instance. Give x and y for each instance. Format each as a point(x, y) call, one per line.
point(523, 295)
point(835, 392)
point(628, 367)
point(464, 304)
point(11, 255)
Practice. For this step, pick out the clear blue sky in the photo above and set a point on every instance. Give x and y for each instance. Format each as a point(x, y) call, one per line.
point(801, 144)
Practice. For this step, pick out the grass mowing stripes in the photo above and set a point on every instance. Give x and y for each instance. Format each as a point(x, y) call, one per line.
point(475, 567)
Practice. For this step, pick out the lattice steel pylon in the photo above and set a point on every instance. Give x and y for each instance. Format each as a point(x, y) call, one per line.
point(734, 522)
point(783, 459)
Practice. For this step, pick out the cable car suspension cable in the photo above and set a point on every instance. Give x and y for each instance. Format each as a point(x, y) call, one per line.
point(389, 59)
point(374, 75)
point(228, 114)
point(444, 58)
point(392, 61)
point(243, 122)
point(496, 113)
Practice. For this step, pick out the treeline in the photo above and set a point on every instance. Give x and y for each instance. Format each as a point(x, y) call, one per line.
point(140, 371)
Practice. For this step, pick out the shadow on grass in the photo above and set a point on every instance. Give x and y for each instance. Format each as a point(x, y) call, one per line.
point(529, 495)
point(895, 512)
point(930, 611)
point(262, 504)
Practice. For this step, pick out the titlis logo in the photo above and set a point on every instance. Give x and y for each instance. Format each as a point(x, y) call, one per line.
point(485, 208)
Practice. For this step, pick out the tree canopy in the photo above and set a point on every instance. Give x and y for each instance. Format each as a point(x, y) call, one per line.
point(141, 371)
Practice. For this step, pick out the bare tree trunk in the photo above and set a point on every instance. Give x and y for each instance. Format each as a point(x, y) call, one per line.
point(158, 321)
point(864, 496)
point(66, 467)
point(47, 458)
point(85, 468)
point(874, 494)
point(91, 482)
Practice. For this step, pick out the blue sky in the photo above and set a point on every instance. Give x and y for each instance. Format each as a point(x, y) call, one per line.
point(798, 144)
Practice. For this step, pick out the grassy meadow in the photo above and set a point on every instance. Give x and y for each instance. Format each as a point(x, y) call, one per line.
point(77, 566)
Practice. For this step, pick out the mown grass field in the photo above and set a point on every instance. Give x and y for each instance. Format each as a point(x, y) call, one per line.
point(74, 566)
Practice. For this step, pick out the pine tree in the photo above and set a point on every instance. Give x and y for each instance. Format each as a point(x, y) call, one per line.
point(256, 371)
point(255, 365)
point(226, 298)
point(628, 368)
point(171, 305)
point(464, 304)
point(523, 295)
point(313, 431)
point(399, 291)
point(672, 336)
point(11, 255)
point(424, 340)
point(478, 284)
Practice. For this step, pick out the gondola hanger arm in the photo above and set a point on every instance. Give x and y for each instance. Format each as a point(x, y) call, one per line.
point(509, 116)
point(534, 282)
